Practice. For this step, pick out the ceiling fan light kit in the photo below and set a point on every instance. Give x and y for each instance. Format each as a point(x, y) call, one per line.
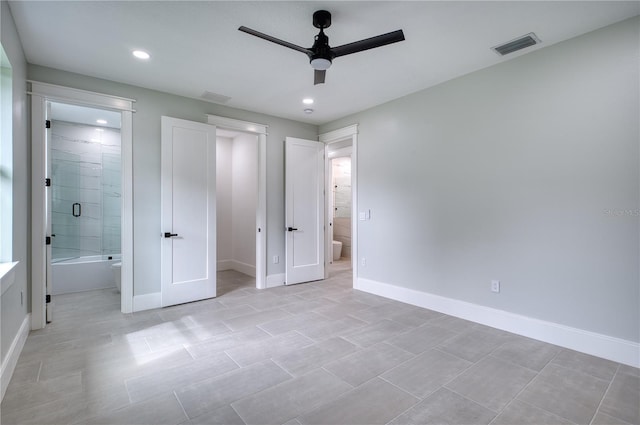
point(320, 64)
point(321, 55)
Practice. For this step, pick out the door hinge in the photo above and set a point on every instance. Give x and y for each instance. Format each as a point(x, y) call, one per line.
point(48, 299)
point(47, 124)
point(47, 182)
point(47, 240)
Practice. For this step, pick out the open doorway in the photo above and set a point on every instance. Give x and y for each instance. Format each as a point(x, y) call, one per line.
point(236, 206)
point(86, 199)
point(259, 132)
point(44, 98)
point(341, 186)
point(340, 209)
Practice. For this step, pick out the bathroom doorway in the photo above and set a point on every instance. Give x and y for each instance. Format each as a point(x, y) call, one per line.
point(341, 145)
point(85, 154)
point(42, 95)
point(340, 208)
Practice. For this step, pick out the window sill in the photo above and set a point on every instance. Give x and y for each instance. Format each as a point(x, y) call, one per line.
point(7, 275)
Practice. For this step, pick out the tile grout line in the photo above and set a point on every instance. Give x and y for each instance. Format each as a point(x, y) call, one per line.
point(604, 395)
point(527, 386)
point(181, 406)
point(39, 371)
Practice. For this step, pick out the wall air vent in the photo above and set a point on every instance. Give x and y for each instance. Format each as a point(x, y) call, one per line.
point(517, 44)
point(215, 97)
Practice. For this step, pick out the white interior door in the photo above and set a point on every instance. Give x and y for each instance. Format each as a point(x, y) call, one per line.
point(188, 211)
point(304, 199)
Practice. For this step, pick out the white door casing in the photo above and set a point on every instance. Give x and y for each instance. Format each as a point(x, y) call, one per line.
point(48, 212)
point(304, 210)
point(40, 94)
point(188, 184)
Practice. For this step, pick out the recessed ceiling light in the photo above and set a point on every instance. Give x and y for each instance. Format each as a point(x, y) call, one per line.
point(141, 54)
point(101, 121)
point(307, 101)
point(308, 111)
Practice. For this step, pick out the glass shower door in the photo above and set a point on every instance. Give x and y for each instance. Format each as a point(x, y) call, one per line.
point(66, 207)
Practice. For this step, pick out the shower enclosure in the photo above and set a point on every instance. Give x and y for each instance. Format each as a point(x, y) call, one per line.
point(86, 197)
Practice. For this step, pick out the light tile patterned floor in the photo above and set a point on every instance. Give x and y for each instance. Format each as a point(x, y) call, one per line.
point(317, 353)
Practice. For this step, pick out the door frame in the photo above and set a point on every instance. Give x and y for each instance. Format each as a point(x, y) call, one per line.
point(41, 93)
point(335, 136)
point(259, 130)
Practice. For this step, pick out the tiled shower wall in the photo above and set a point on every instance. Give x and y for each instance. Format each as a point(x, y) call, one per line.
point(341, 175)
point(86, 170)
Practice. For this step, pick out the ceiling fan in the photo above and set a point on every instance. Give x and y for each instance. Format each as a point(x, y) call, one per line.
point(321, 54)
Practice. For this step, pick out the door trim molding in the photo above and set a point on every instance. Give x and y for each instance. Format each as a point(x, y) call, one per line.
point(339, 135)
point(41, 93)
point(147, 301)
point(259, 130)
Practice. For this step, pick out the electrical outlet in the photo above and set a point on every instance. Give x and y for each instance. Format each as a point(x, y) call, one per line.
point(363, 262)
point(495, 286)
point(276, 259)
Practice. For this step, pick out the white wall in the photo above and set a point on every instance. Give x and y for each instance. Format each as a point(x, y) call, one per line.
point(244, 199)
point(13, 311)
point(527, 172)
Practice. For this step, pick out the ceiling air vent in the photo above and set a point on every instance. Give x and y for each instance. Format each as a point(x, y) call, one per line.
point(215, 97)
point(517, 44)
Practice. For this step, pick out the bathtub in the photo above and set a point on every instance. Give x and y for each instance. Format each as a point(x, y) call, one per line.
point(83, 273)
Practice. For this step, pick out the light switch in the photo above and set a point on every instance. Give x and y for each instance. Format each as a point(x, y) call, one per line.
point(365, 215)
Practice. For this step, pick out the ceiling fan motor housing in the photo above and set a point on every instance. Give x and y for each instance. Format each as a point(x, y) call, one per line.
point(321, 19)
point(320, 54)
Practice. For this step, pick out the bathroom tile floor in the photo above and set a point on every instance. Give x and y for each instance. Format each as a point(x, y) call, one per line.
point(316, 353)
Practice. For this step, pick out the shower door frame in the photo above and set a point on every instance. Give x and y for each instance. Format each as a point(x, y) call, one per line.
point(41, 93)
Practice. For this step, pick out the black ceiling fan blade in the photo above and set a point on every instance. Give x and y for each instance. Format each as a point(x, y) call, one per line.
point(368, 43)
point(318, 76)
point(274, 40)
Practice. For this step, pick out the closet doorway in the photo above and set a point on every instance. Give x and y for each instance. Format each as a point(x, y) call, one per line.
point(236, 204)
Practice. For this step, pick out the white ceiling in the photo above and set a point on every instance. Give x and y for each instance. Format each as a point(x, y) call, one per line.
point(196, 46)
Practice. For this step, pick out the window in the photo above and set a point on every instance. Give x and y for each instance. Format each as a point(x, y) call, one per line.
point(6, 158)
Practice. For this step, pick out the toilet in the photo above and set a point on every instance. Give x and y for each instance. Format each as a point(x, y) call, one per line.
point(115, 268)
point(337, 250)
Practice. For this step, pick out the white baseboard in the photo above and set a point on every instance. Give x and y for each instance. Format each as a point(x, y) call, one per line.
point(245, 268)
point(223, 265)
point(238, 266)
point(616, 349)
point(11, 359)
point(274, 280)
point(147, 301)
